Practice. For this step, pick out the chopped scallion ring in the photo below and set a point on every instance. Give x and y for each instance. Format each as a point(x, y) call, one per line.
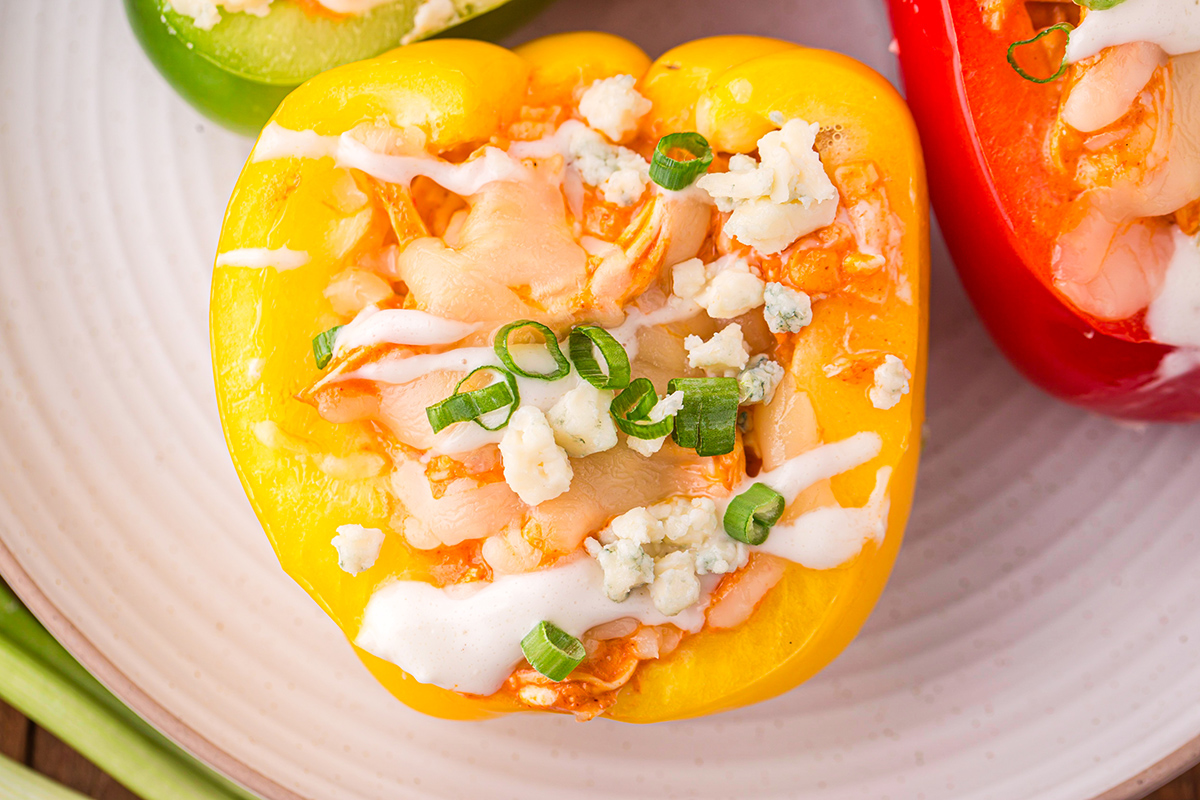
point(562, 368)
point(322, 345)
point(631, 411)
point(673, 174)
point(616, 371)
point(708, 420)
point(636, 401)
point(1099, 5)
point(471, 406)
point(752, 513)
point(1066, 27)
point(552, 651)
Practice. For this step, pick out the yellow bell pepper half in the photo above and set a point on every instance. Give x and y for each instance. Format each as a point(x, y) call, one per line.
point(305, 476)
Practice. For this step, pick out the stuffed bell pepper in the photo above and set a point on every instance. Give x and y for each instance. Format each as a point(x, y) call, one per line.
point(1067, 185)
point(567, 381)
point(234, 60)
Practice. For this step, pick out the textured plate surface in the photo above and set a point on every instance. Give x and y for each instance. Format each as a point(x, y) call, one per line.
point(1040, 637)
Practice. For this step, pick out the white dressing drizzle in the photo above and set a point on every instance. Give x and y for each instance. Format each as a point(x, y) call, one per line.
point(828, 537)
point(276, 141)
point(797, 474)
point(676, 309)
point(825, 537)
point(1174, 316)
point(1174, 25)
point(261, 257)
point(401, 326)
point(403, 370)
point(464, 179)
point(468, 637)
point(1175, 364)
point(464, 437)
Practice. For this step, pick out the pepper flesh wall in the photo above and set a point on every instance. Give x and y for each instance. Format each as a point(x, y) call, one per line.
point(306, 475)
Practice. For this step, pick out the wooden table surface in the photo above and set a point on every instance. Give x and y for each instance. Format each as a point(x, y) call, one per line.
point(29, 744)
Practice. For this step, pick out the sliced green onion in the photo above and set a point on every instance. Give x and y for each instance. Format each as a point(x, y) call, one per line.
point(752, 513)
point(322, 345)
point(636, 402)
point(562, 368)
point(1098, 5)
point(671, 174)
point(470, 406)
point(616, 371)
point(708, 420)
point(1066, 27)
point(552, 651)
point(631, 411)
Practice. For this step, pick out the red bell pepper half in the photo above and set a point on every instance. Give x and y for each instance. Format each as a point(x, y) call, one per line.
point(1001, 205)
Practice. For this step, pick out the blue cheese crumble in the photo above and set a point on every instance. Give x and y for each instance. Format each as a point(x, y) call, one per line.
point(357, 547)
point(786, 310)
point(725, 289)
point(668, 406)
point(620, 174)
point(759, 380)
point(613, 107)
point(665, 546)
point(581, 422)
point(535, 467)
point(773, 202)
point(891, 383)
point(723, 355)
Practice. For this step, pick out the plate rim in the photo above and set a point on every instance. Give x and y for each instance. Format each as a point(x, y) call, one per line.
point(87, 653)
point(230, 766)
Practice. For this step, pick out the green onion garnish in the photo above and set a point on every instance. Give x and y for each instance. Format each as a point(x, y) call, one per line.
point(616, 371)
point(562, 368)
point(631, 411)
point(470, 406)
point(1098, 5)
point(636, 401)
point(752, 513)
point(708, 420)
point(323, 346)
point(672, 174)
point(552, 651)
point(1066, 27)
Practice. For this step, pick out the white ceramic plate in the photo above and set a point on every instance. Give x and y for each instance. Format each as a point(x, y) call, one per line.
point(1040, 637)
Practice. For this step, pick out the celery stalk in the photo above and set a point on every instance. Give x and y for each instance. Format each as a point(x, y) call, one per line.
point(41, 680)
point(21, 783)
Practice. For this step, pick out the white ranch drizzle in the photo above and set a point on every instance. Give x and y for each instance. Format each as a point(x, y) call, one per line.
point(829, 537)
point(1174, 25)
point(825, 537)
point(797, 474)
point(276, 141)
point(468, 637)
point(464, 437)
point(1174, 315)
point(464, 179)
point(261, 257)
point(1175, 364)
point(404, 370)
point(400, 326)
point(676, 309)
